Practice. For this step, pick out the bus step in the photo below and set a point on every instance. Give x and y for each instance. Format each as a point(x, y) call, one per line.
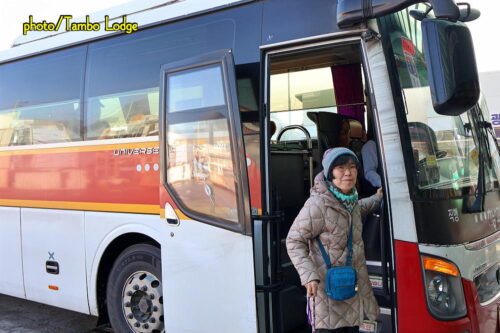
point(382, 325)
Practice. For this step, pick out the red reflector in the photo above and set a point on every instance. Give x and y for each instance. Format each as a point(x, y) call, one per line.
point(53, 287)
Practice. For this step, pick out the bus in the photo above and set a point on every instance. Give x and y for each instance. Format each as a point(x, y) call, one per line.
point(150, 178)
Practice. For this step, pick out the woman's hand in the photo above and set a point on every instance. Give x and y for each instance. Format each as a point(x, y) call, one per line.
point(312, 288)
point(380, 191)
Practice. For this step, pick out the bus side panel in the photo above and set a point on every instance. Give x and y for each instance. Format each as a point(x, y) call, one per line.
point(413, 315)
point(11, 279)
point(209, 283)
point(83, 177)
point(102, 228)
point(308, 20)
point(56, 236)
point(484, 318)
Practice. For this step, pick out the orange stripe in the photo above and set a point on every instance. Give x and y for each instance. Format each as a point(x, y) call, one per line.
point(181, 215)
point(94, 206)
point(178, 212)
point(78, 149)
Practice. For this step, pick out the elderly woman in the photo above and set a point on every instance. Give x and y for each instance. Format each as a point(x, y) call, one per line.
point(328, 213)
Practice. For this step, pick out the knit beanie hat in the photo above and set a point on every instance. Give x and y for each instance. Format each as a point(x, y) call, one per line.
point(331, 155)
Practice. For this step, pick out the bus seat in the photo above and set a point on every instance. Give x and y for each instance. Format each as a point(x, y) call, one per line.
point(328, 127)
point(424, 136)
point(355, 135)
point(272, 128)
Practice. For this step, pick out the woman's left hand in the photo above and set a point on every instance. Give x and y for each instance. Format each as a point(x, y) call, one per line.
point(380, 191)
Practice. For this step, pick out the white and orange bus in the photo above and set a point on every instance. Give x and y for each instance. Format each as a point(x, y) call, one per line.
point(150, 178)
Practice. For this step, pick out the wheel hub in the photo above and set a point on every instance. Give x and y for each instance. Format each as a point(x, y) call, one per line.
point(145, 305)
point(142, 303)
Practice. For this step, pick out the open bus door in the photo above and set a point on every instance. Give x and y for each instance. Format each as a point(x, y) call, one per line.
point(208, 256)
point(300, 120)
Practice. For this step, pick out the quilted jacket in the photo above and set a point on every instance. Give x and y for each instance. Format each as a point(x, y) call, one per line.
point(325, 216)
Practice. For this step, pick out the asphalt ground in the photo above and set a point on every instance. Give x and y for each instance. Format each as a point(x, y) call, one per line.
point(21, 316)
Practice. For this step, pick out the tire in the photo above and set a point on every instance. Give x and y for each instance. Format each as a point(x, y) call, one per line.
point(134, 296)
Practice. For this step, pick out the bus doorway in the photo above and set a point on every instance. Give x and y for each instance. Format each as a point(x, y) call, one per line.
point(315, 100)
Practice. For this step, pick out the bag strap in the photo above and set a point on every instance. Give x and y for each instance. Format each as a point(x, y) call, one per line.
point(326, 258)
point(323, 253)
point(348, 261)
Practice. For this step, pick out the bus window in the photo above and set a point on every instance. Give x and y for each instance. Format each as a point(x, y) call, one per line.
point(199, 161)
point(444, 150)
point(122, 87)
point(40, 99)
point(296, 92)
point(129, 114)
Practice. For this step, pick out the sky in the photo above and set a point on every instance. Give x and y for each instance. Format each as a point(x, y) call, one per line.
point(14, 12)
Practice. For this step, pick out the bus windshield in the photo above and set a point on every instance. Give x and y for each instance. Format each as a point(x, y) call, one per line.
point(445, 148)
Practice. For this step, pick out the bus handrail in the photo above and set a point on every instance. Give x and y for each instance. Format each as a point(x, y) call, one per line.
point(309, 147)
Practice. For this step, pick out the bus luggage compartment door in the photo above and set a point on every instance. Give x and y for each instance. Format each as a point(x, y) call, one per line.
point(55, 235)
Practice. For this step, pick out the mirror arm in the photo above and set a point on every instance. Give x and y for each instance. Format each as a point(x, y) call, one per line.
point(467, 5)
point(446, 9)
point(352, 12)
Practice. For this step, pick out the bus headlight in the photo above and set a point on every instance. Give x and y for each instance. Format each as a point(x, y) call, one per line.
point(445, 295)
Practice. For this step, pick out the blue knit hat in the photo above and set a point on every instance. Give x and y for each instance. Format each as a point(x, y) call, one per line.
point(332, 154)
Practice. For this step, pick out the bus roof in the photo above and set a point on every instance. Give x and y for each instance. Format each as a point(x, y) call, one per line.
point(143, 12)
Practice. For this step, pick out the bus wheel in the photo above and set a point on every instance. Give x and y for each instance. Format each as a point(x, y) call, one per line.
point(134, 291)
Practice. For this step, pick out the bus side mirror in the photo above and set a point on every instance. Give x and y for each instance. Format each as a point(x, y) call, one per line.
point(449, 54)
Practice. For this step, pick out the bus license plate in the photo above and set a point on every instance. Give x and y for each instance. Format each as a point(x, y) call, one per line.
point(368, 326)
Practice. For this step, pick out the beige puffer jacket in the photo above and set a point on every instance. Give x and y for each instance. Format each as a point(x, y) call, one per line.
point(325, 216)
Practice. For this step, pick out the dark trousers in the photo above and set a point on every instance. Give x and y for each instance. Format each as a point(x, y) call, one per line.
point(354, 329)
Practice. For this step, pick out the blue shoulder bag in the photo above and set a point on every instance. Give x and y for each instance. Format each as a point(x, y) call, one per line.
point(341, 281)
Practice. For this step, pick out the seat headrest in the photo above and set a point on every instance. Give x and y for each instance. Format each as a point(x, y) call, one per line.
point(272, 127)
point(356, 129)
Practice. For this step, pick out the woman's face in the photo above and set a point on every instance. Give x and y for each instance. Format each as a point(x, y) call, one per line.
point(344, 176)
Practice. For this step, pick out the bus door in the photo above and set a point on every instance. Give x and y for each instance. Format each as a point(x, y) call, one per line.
point(309, 90)
point(207, 256)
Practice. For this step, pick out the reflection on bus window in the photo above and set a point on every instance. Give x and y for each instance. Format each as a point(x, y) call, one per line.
point(128, 114)
point(40, 98)
point(55, 122)
point(199, 160)
point(194, 89)
point(200, 168)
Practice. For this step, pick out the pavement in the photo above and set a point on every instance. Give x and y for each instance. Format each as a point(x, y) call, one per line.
point(21, 316)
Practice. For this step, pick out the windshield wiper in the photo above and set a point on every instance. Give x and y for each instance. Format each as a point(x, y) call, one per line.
point(483, 158)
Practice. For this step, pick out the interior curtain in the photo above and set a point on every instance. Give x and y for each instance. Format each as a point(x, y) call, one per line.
point(348, 87)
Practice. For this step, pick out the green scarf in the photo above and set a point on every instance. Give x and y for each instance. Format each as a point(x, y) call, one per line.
point(348, 200)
